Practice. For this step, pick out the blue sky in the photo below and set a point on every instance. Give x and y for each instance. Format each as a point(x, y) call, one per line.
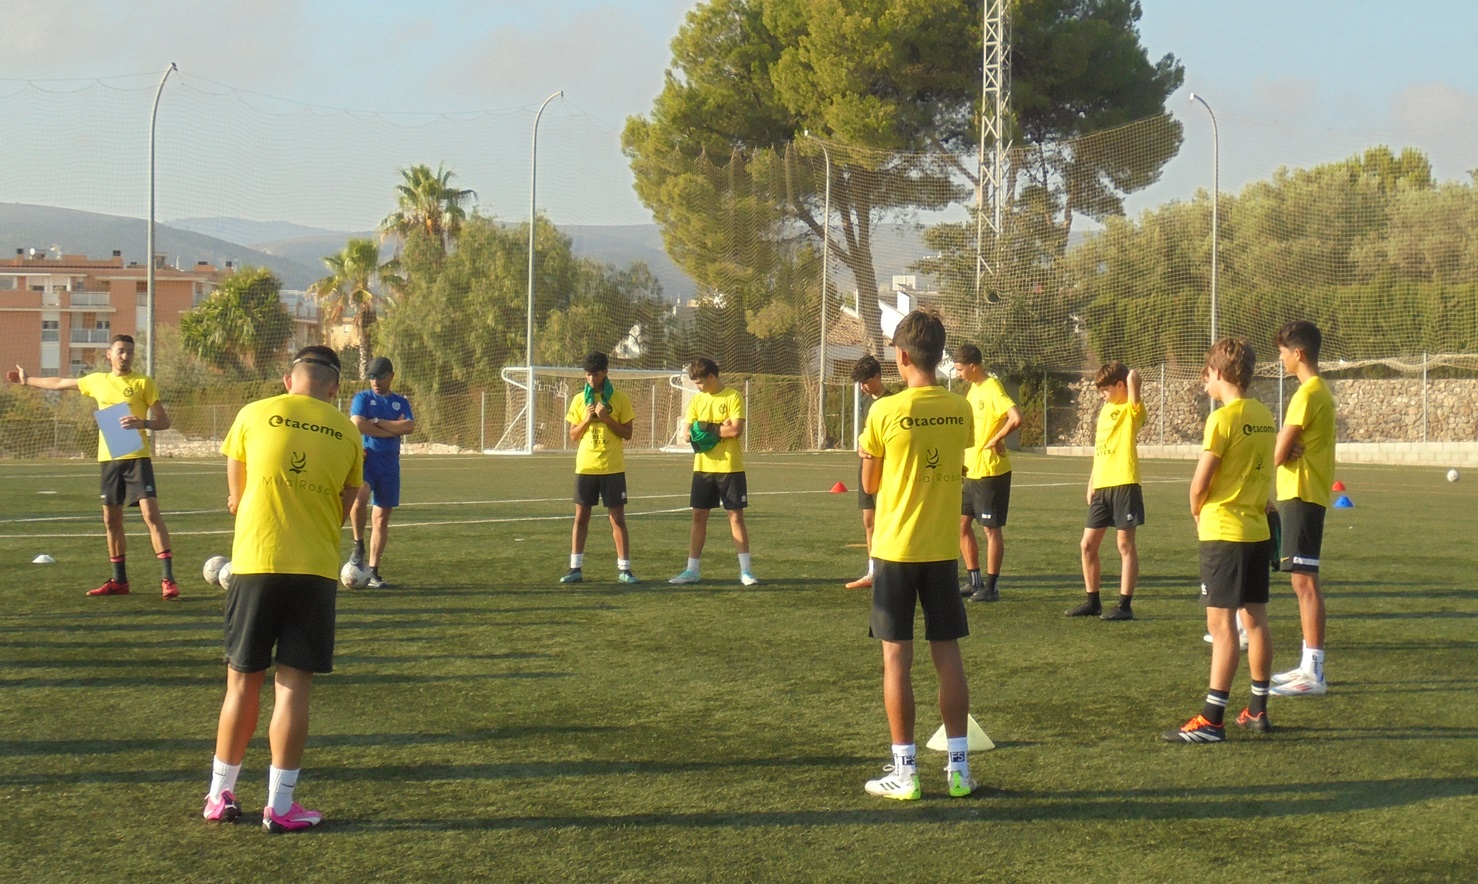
point(1292, 83)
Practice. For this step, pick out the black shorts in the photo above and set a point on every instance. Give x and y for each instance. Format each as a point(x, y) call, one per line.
point(711, 489)
point(865, 501)
point(898, 587)
point(1303, 535)
point(128, 481)
point(1121, 506)
point(987, 500)
point(1234, 574)
point(609, 488)
point(295, 612)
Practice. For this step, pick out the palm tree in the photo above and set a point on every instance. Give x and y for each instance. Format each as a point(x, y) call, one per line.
point(427, 201)
point(347, 288)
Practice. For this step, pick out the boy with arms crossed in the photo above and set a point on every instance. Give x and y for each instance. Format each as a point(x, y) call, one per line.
point(987, 490)
point(600, 421)
point(1114, 495)
point(868, 374)
point(1305, 461)
point(382, 417)
point(715, 423)
point(911, 452)
point(1229, 501)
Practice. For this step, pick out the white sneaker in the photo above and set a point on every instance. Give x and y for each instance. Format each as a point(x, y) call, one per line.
point(1306, 685)
point(1241, 639)
point(1290, 675)
point(685, 578)
point(901, 783)
point(960, 785)
point(748, 579)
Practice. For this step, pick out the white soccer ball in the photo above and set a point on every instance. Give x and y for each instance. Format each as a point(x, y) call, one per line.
point(1453, 475)
point(223, 576)
point(354, 576)
point(212, 570)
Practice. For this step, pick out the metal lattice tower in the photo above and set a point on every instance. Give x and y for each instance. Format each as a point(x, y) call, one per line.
point(991, 191)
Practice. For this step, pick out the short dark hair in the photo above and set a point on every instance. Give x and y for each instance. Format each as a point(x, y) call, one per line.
point(596, 362)
point(319, 356)
point(866, 367)
point(1233, 357)
point(126, 339)
point(1111, 373)
point(968, 354)
point(920, 334)
point(1300, 334)
point(702, 367)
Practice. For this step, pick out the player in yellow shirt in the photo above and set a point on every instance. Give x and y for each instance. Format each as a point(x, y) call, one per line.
point(1229, 498)
point(714, 427)
point(1114, 495)
point(987, 492)
point(868, 375)
point(912, 449)
point(1305, 460)
point(600, 420)
point(127, 479)
point(294, 464)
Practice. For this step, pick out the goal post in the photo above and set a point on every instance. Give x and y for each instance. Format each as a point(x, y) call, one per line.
point(659, 396)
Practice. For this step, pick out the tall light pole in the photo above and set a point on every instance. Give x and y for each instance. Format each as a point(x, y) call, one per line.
point(825, 266)
point(1215, 203)
point(533, 225)
point(149, 285)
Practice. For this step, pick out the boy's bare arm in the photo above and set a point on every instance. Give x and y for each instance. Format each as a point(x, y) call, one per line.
point(872, 473)
point(1201, 482)
point(1289, 445)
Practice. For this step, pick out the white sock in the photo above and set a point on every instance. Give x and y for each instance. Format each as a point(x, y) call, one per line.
point(623, 564)
point(958, 760)
point(222, 778)
point(905, 758)
point(693, 565)
point(577, 560)
point(869, 567)
point(280, 785)
point(744, 561)
point(1314, 662)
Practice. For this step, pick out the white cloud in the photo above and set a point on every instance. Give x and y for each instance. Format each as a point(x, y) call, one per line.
point(1434, 106)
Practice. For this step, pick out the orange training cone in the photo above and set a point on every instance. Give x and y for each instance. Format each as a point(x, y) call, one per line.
point(1337, 486)
point(839, 488)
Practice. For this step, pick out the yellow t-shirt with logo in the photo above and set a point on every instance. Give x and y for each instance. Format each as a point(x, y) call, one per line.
point(1310, 476)
point(1242, 434)
point(988, 404)
point(1115, 453)
point(110, 389)
point(728, 455)
point(300, 453)
point(601, 451)
point(921, 434)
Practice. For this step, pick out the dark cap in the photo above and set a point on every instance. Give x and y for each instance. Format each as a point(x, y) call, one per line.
point(379, 367)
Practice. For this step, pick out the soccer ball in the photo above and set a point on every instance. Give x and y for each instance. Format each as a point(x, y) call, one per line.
point(1453, 476)
point(354, 576)
point(223, 576)
point(212, 570)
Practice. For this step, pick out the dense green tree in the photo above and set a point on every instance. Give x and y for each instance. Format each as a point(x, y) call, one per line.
point(353, 274)
point(426, 201)
point(242, 327)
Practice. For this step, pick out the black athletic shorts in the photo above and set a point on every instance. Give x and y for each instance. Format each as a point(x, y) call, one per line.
point(865, 501)
point(1303, 535)
point(294, 612)
point(128, 481)
point(610, 488)
point(987, 500)
point(1119, 506)
point(711, 489)
point(1234, 574)
point(899, 587)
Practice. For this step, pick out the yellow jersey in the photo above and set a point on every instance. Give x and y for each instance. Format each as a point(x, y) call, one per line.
point(601, 451)
point(921, 434)
point(715, 408)
point(1310, 476)
point(110, 389)
point(988, 404)
point(300, 453)
point(1242, 434)
point(1115, 451)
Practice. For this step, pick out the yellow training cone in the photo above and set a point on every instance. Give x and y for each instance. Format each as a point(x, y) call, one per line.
point(979, 742)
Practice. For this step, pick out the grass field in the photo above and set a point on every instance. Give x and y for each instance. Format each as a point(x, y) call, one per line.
point(484, 723)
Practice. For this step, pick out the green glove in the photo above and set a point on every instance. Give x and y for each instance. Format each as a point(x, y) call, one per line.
point(703, 436)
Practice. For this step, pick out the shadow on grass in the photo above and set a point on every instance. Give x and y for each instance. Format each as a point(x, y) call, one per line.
point(213, 678)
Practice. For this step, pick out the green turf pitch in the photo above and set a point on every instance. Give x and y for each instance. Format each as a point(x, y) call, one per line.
point(485, 723)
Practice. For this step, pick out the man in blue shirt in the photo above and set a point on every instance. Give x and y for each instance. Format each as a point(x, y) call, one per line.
point(382, 418)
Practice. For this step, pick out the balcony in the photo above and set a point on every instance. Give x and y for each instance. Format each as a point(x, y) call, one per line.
point(91, 335)
point(89, 299)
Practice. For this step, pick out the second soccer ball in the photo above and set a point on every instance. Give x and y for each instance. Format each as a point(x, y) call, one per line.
point(354, 576)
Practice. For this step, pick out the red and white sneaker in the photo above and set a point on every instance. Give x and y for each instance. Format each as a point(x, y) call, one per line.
point(296, 819)
point(170, 588)
point(222, 810)
point(112, 587)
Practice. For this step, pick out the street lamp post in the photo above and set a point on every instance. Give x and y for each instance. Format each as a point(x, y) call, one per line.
point(825, 266)
point(533, 225)
point(149, 284)
point(1215, 203)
